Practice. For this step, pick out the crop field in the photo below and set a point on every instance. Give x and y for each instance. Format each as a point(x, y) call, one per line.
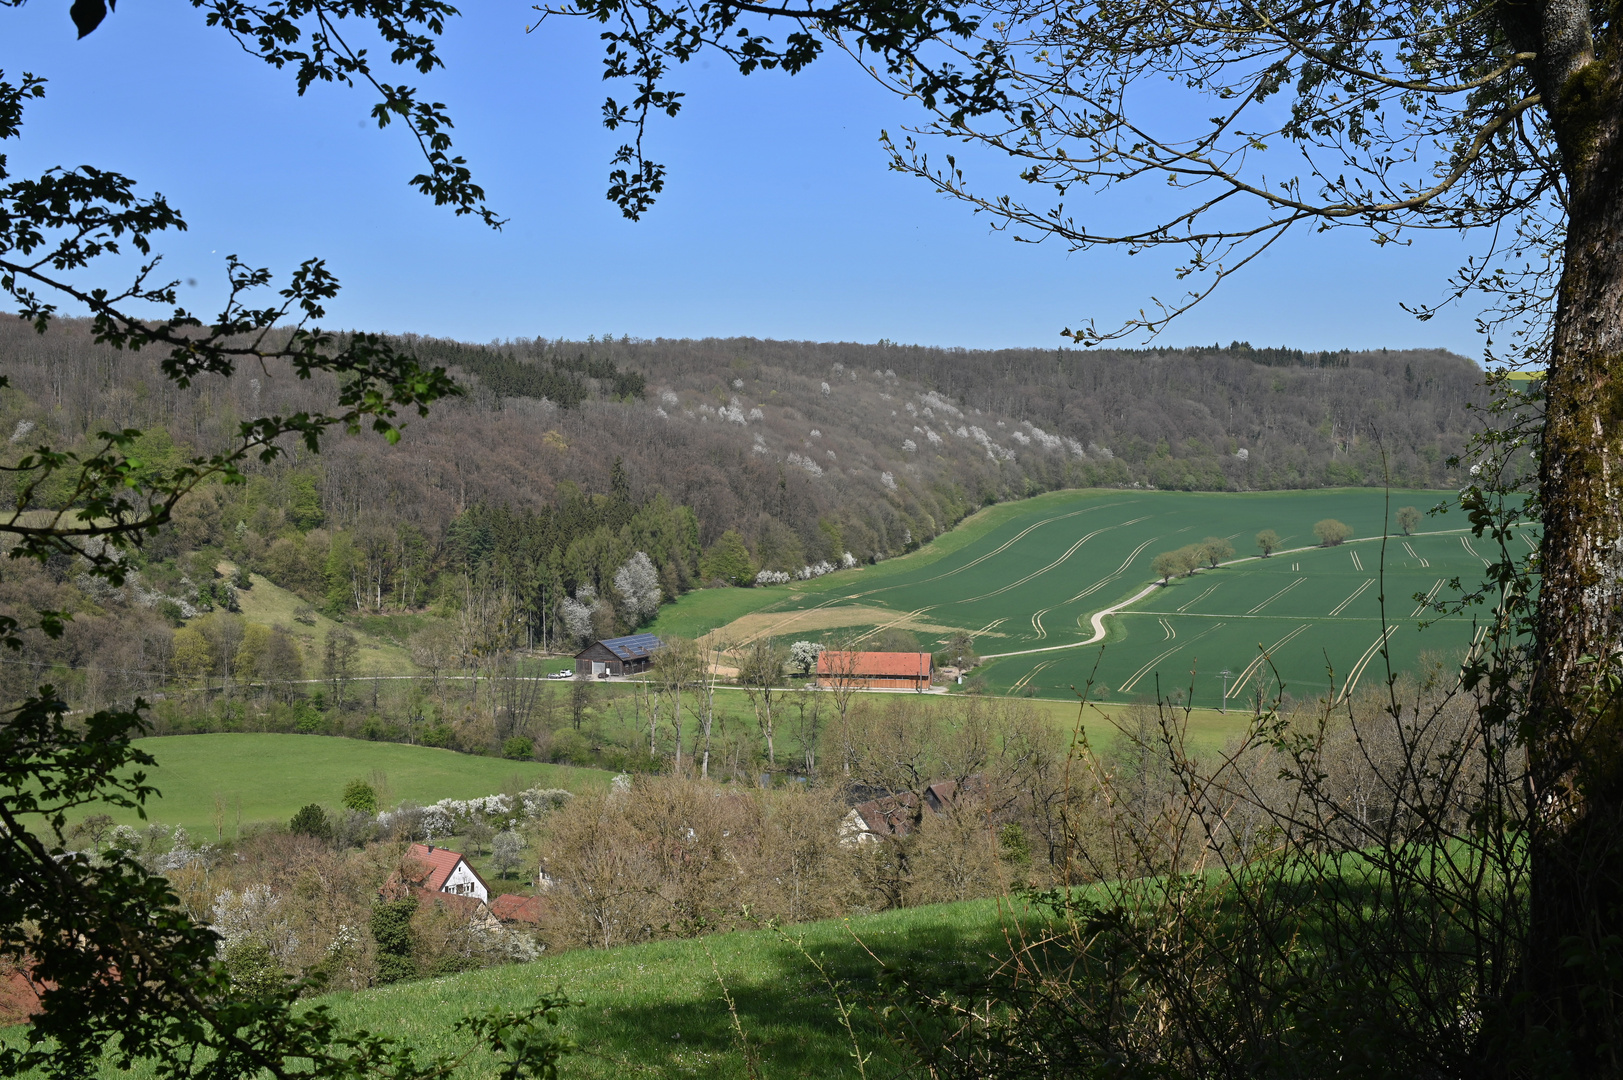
point(1060, 588)
point(266, 777)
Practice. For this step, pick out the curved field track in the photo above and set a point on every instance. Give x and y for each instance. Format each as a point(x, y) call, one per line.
point(1044, 585)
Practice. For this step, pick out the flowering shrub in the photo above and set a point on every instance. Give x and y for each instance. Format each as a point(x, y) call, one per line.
point(772, 577)
point(804, 462)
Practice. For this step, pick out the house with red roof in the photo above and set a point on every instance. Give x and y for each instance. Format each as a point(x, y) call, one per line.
point(894, 815)
point(875, 670)
point(438, 870)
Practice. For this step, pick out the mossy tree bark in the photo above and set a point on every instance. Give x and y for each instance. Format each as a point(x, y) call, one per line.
point(1573, 725)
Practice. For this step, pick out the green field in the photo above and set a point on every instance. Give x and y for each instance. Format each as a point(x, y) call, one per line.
point(658, 1010)
point(271, 776)
point(1029, 580)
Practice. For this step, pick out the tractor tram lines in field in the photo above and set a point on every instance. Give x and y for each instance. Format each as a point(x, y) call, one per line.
point(1070, 578)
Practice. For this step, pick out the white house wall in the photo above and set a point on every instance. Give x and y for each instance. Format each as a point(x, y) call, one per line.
point(463, 882)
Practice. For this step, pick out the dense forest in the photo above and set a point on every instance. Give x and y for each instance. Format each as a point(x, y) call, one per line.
point(577, 485)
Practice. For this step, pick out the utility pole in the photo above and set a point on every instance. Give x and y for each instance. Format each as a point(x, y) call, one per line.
point(1226, 674)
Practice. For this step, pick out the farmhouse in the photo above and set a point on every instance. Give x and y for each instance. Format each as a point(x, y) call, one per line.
point(893, 815)
point(617, 656)
point(440, 871)
point(875, 670)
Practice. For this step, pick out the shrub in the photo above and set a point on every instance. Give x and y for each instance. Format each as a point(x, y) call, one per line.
point(358, 795)
point(571, 746)
point(518, 748)
point(311, 820)
point(391, 930)
point(439, 734)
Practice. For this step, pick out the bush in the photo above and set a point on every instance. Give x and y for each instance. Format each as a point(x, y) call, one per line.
point(518, 748)
point(439, 734)
point(358, 795)
point(570, 746)
point(311, 820)
point(391, 930)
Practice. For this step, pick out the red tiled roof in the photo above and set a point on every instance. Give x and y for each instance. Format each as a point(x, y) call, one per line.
point(439, 862)
point(516, 907)
point(19, 997)
point(867, 665)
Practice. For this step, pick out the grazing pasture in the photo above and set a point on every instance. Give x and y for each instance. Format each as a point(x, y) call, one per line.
point(267, 777)
point(1060, 588)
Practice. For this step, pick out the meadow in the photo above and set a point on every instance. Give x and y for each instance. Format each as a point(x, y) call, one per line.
point(1057, 592)
point(658, 1008)
point(265, 777)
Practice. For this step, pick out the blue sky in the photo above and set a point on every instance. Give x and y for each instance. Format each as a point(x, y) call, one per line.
point(779, 219)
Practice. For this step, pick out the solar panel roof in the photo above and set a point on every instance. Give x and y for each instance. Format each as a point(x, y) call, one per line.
point(632, 646)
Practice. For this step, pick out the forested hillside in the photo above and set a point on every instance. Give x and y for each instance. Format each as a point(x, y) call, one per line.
point(524, 505)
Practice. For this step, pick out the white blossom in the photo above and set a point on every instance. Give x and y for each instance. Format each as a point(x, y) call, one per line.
point(935, 440)
point(757, 414)
point(935, 401)
point(637, 582)
point(1021, 437)
point(888, 480)
point(804, 462)
point(577, 611)
point(909, 445)
point(1045, 440)
point(669, 397)
point(1242, 453)
point(772, 577)
point(660, 412)
point(803, 655)
point(738, 384)
point(825, 388)
point(816, 434)
point(21, 430)
point(848, 561)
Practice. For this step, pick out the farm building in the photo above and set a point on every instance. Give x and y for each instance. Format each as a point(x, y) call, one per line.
point(518, 908)
point(618, 655)
point(893, 815)
point(431, 869)
point(442, 877)
point(875, 670)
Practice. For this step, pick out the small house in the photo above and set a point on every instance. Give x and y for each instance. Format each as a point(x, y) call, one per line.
point(628, 655)
point(875, 670)
point(893, 815)
point(431, 869)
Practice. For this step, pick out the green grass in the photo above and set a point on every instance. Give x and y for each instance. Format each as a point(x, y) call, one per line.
point(1025, 578)
point(660, 1007)
point(274, 775)
point(381, 652)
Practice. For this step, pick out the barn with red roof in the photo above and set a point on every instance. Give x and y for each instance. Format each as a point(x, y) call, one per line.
point(875, 670)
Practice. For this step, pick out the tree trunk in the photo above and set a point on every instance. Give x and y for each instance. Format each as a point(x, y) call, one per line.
point(1574, 727)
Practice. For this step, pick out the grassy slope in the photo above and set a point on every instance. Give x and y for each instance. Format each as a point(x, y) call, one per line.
point(274, 775)
point(274, 606)
point(660, 1007)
